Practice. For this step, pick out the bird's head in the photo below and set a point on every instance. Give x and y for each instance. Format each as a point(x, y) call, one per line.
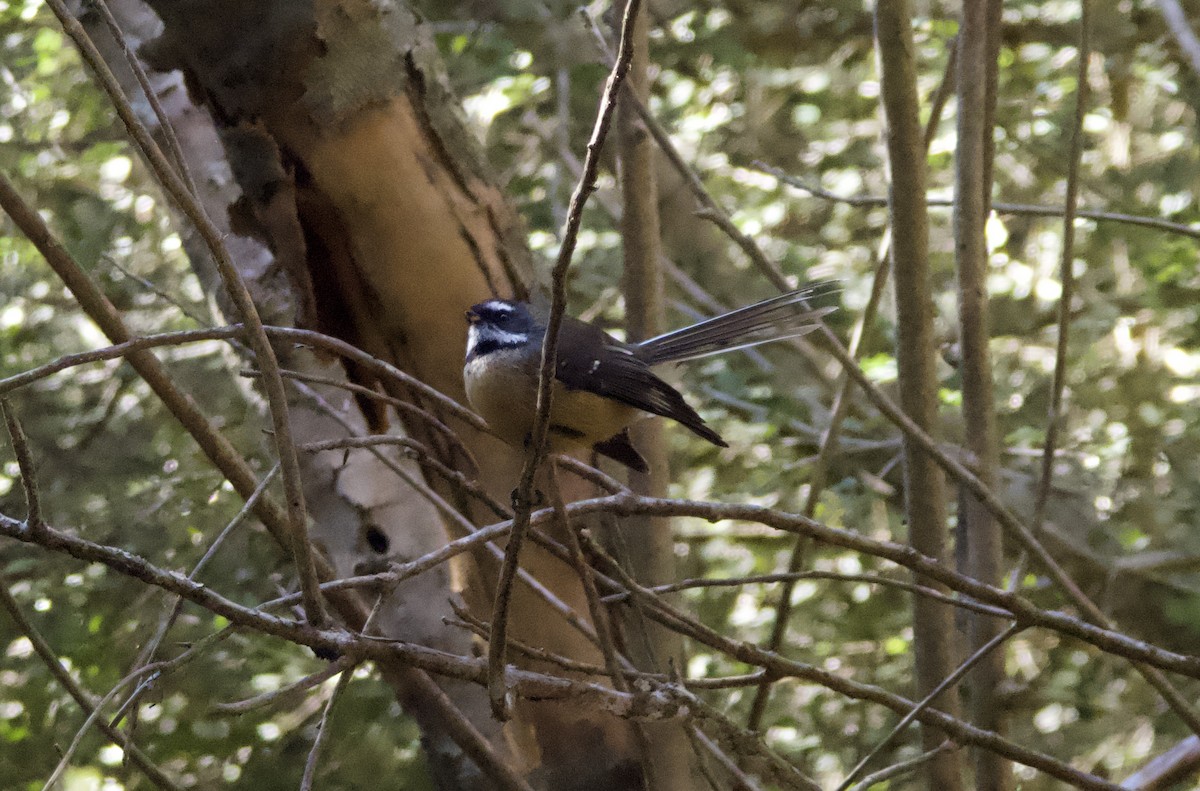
point(499, 324)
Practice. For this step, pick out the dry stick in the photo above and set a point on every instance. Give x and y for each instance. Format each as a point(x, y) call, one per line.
point(28, 377)
point(135, 65)
point(981, 546)
point(1166, 769)
point(950, 680)
point(465, 620)
point(84, 700)
point(20, 444)
point(777, 769)
point(403, 407)
point(1017, 529)
point(185, 200)
point(1013, 605)
point(1181, 29)
point(705, 770)
point(741, 780)
point(780, 666)
point(1000, 207)
point(231, 464)
point(600, 621)
point(904, 767)
point(332, 640)
point(838, 411)
point(1019, 608)
point(378, 367)
point(148, 652)
point(310, 764)
point(1056, 416)
point(537, 444)
point(924, 485)
point(290, 693)
point(790, 577)
point(453, 516)
point(95, 716)
point(657, 703)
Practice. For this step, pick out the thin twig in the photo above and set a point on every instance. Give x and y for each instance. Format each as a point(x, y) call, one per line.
point(831, 437)
point(1055, 417)
point(546, 371)
point(741, 780)
point(135, 65)
point(1181, 29)
point(20, 445)
point(904, 767)
point(164, 626)
point(310, 764)
point(403, 407)
point(1000, 207)
point(659, 702)
point(795, 576)
point(950, 680)
point(600, 620)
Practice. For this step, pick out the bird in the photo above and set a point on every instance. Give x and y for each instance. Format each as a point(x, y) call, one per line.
point(601, 384)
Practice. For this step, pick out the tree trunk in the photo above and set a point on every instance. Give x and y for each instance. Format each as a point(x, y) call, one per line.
point(924, 488)
point(980, 533)
point(357, 204)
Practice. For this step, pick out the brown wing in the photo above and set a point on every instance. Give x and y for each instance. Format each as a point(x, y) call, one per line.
point(600, 364)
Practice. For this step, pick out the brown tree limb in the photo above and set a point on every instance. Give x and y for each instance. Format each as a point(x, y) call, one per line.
point(924, 487)
point(981, 546)
point(830, 438)
point(25, 466)
point(659, 702)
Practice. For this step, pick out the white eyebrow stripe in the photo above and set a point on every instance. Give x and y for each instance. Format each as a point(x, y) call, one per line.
point(497, 305)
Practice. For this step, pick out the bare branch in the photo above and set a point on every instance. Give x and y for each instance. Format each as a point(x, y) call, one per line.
point(662, 701)
point(901, 768)
point(546, 370)
point(1000, 207)
point(20, 445)
point(178, 160)
point(310, 764)
point(1181, 29)
point(974, 659)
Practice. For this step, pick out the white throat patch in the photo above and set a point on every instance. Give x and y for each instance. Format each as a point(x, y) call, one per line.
point(492, 336)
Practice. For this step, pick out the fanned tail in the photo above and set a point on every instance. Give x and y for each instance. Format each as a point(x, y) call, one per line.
point(785, 316)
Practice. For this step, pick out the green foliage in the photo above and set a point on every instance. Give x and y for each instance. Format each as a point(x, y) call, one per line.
point(791, 84)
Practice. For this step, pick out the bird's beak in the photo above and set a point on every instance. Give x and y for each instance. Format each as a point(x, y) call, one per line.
point(472, 317)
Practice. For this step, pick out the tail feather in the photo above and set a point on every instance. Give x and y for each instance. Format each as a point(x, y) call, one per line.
point(785, 316)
